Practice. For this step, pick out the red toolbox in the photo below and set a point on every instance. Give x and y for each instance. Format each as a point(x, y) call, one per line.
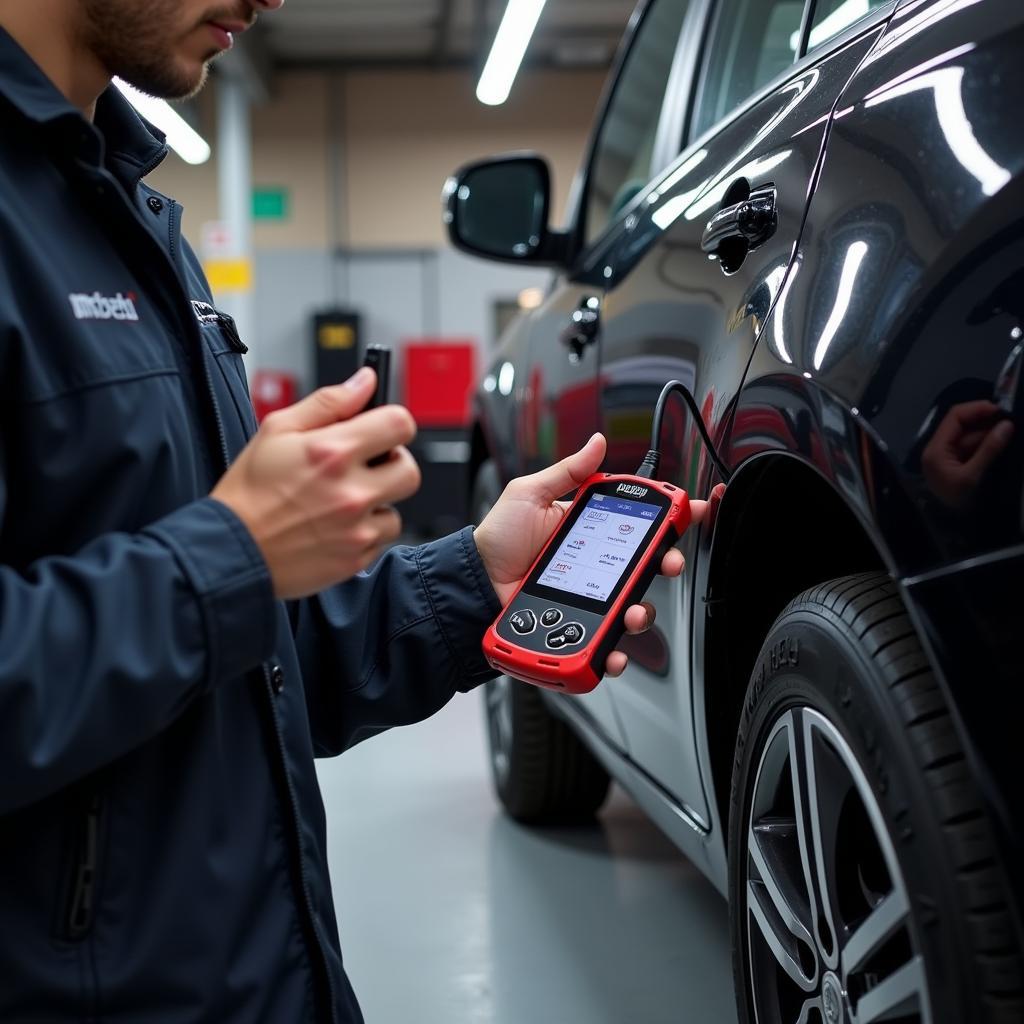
point(437, 381)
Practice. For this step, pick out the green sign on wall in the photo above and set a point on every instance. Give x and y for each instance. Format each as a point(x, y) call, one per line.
point(270, 204)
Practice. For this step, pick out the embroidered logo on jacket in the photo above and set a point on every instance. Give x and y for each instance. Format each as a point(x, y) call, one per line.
point(103, 307)
point(205, 313)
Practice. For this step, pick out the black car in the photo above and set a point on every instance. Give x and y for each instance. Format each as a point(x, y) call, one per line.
point(811, 214)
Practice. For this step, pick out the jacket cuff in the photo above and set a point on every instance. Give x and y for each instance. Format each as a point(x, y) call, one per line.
point(231, 582)
point(462, 600)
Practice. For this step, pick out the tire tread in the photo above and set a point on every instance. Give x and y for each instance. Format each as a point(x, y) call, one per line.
point(870, 606)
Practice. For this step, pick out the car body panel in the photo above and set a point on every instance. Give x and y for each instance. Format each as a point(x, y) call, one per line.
point(558, 416)
point(890, 293)
point(906, 301)
point(672, 312)
point(559, 391)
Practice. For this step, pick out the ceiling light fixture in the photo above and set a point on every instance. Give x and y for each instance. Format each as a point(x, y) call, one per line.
point(514, 35)
point(181, 136)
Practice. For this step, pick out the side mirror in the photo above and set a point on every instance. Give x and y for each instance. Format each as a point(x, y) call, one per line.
point(500, 209)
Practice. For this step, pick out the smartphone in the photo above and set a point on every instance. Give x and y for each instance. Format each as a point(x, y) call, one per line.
point(378, 358)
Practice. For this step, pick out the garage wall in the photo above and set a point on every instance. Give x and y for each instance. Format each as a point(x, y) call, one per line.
point(390, 138)
point(406, 133)
point(363, 156)
point(400, 294)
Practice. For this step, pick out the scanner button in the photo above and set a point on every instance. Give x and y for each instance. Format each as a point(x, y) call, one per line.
point(571, 634)
point(552, 617)
point(523, 621)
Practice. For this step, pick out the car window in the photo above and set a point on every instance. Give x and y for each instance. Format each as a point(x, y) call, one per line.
point(751, 41)
point(832, 16)
point(621, 165)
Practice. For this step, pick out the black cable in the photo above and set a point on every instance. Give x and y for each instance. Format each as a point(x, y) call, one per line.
point(652, 460)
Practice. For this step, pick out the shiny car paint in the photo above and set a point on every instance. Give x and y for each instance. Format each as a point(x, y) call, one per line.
point(888, 297)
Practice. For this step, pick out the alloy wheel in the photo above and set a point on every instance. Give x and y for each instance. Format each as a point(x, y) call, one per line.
point(829, 931)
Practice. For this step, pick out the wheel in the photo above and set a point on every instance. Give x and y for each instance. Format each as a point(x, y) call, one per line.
point(542, 772)
point(863, 874)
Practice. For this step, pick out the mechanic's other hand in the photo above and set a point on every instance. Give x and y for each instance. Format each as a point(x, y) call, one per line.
point(970, 437)
point(528, 512)
point(302, 486)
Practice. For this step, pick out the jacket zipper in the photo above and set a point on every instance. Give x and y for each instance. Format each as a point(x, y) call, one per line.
point(230, 329)
point(82, 902)
point(193, 330)
point(296, 827)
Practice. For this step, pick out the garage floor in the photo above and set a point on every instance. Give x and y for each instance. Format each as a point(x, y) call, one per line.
point(452, 914)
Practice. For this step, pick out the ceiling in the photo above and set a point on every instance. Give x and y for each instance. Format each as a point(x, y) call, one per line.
point(570, 33)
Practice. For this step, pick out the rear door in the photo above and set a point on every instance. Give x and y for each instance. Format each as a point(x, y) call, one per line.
point(559, 396)
point(758, 118)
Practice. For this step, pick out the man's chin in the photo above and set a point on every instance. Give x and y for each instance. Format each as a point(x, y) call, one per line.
point(179, 80)
point(191, 80)
point(196, 83)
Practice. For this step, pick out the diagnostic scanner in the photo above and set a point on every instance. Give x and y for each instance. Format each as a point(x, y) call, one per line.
point(569, 612)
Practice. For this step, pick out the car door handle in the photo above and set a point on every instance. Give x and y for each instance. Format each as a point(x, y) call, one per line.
point(737, 229)
point(583, 328)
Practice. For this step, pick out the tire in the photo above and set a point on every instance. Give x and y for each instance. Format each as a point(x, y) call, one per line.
point(875, 881)
point(543, 774)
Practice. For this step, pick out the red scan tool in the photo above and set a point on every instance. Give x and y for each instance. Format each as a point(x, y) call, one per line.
point(568, 614)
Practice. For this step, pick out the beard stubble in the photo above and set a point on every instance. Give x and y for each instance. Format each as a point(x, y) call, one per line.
point(133, 39)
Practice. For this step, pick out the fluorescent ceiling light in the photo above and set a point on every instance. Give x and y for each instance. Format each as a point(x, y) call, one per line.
point(514, 35)
point(181, 136)
point(842, 17)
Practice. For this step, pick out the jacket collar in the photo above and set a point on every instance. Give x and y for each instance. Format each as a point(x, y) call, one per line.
point(134, 145)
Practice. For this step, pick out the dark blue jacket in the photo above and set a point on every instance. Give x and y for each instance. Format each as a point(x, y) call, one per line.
point(162, 846)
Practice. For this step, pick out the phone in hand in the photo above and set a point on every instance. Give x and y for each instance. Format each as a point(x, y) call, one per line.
point(378, 358)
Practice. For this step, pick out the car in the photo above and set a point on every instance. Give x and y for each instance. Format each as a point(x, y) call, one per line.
point(810, 213)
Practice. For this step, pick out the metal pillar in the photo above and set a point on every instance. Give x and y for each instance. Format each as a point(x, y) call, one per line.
point(234, 189)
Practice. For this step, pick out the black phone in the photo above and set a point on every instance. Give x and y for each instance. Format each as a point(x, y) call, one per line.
point(378, 358)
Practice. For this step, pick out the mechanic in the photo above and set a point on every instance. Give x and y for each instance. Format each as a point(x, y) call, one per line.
point(187, 616)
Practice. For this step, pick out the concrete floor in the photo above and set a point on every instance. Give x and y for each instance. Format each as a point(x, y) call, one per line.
point(452, 914)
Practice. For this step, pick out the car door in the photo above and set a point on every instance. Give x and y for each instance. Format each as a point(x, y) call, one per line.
point(693, 276)
point(559, 397)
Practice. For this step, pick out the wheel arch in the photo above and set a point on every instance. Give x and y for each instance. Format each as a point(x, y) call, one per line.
point(765, 549)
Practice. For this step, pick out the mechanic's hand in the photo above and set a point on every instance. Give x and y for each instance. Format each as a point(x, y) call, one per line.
point(528, 512)
point(967, 441)
point(302, 486)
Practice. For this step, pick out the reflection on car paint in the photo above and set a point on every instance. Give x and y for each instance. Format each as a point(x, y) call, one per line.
point(852, 344)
